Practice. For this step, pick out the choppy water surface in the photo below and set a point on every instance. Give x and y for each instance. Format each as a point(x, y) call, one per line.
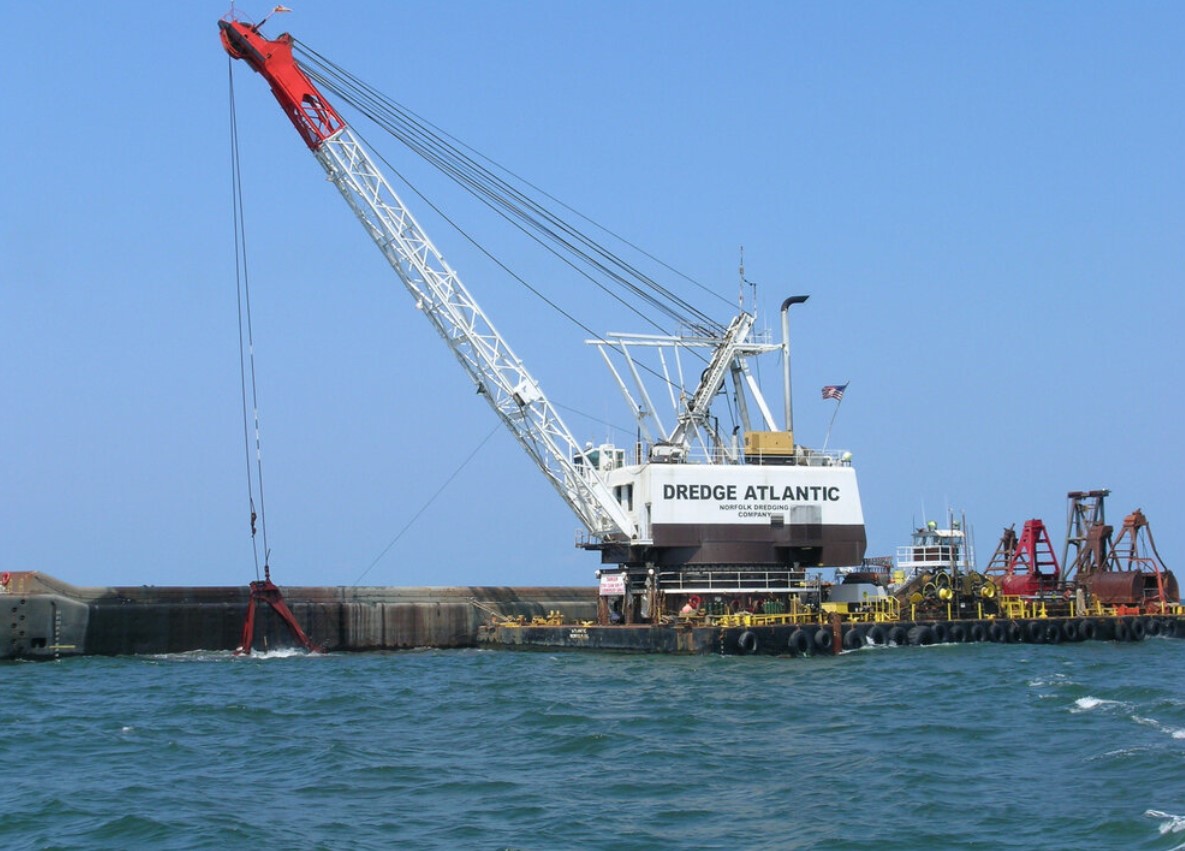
point(968, 746)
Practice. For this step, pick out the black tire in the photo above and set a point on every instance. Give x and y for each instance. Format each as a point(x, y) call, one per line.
point(979, 633)
point(747, 643)
point(1034, 632)
point(1169, 627)
point(823, 639)
point(941, 632)
point(1015, 632)
point(1138, 630)
point(877, 635)
point(1070, 631)
point(921, 636)
point(998, 633)
point(853, 638)
point(1087, 630)
point(957, 633)
point(1123, 630)
point(1104, 629)
point(800, 643)
point(1152, 626)
point(1053, 633)
point(898, 635)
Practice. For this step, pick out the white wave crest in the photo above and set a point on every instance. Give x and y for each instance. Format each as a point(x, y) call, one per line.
point(1169, 822)
point(1174, 732)
point(281, 653)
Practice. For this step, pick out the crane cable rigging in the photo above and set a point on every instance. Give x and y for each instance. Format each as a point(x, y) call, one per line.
point(246, 345)
point(590, 259)
point(263, 591)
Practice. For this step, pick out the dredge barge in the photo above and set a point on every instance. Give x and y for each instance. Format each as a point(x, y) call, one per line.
point(930, 594)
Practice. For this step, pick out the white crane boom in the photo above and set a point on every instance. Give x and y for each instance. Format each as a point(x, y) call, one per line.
point(667, 521)
point(497, 372)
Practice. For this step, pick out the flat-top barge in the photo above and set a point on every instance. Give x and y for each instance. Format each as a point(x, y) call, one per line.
point(931, 594)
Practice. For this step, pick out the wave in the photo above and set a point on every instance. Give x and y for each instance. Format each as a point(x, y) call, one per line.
point(1169, 823)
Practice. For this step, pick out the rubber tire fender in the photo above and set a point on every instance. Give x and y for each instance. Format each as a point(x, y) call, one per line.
point(1123, 631)
point(958, 633)
point(1086, 630)
point(998, 633)
point(853, 638)
point(1052, 633)
point(1151, 626)
point(747, 642)
point(800, 643)
point(1070, 631)
point(1138, 629)
point(941, 632)
point(921, 635)
point(1015, 632)
point(898, 635)
point(876, 634)
point(979, 633)
point(1034, 632)
point(823, 639)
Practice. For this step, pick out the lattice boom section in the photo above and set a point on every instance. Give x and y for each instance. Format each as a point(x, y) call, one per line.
point(494, 368)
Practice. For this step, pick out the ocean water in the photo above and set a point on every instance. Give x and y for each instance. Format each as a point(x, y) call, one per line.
point(960, 746)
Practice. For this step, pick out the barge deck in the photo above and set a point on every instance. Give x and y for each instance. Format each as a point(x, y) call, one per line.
point(810, 639)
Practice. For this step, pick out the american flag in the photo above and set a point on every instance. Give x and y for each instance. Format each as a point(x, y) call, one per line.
point(834, 391)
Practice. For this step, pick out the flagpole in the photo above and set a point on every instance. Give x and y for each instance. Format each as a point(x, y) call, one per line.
point(838, 402)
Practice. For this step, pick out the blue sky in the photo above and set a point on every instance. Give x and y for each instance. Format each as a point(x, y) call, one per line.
point(984, 201)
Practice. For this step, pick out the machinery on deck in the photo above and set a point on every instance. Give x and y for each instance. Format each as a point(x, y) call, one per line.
point(1126, 575)
point(692, 512)
point(1025, 567)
